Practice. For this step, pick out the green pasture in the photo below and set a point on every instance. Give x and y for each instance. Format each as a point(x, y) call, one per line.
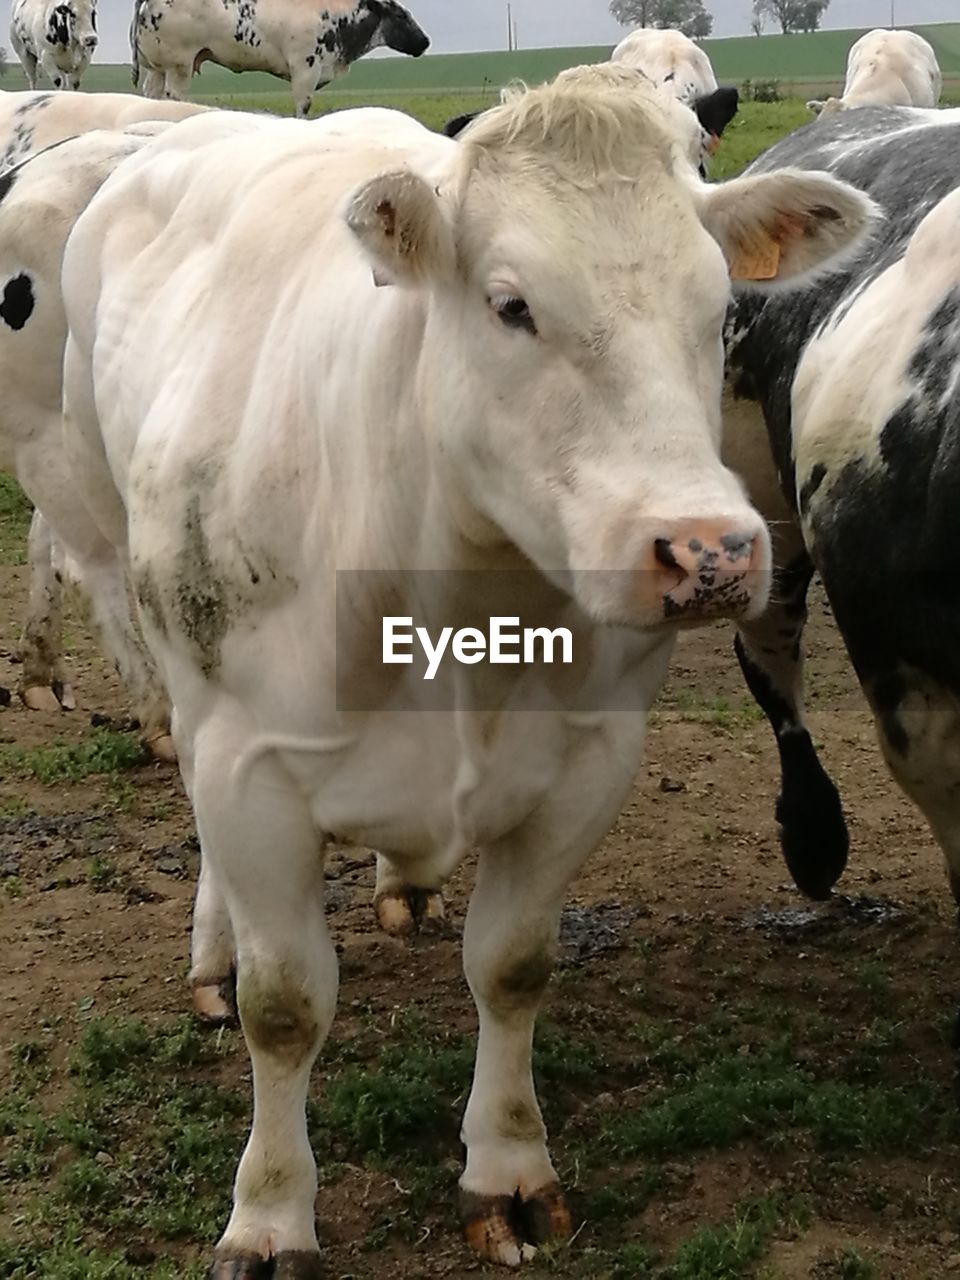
point(801, 61)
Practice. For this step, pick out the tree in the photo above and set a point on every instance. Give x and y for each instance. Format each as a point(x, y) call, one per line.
point(687, 16)
point(757, 17)
point(792, 15)
point(4, 61)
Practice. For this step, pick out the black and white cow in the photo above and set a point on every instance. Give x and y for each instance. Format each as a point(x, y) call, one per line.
point(858, 380)
point(308, 42)
point(57, 37)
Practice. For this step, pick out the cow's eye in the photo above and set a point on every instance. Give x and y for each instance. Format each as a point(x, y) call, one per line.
point(513, 312)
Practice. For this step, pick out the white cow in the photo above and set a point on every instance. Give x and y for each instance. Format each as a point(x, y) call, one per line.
point(671, 60)
point(32, 338)
point(57, 37)
point(373, 349)
point(887, 69)
point(308, 42)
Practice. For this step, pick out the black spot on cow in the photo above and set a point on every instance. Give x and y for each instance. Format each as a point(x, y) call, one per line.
point(810, 486)
point(7, 180)
point(457, 125)
point(18, 301)
point(60, 25)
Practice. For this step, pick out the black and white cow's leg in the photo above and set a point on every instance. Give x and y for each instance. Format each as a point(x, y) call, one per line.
point(401, 908)
point(153, 83)
point(261, 844)
point(176, 83)
point(31, 67)
point(813, 831)
point(511, 1199)
point(918, 727)
point(42, 683)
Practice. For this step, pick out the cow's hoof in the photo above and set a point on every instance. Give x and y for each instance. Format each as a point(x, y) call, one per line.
point(161, 747)
point(508, 1229)
point(215, 1003)
point(41, 697)
point(296, 1264)
point(404, 913)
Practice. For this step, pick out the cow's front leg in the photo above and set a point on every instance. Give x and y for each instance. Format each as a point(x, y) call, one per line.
point(511, 1199)
point(42, 686)
point(262, 846)
point(59, 79)
point(813, 832)
point(401, 908)
point(176, 83)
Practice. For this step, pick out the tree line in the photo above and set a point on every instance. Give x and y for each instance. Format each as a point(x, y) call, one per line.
point(694, 19)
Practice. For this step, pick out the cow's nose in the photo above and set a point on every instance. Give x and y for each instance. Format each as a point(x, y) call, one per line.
point(91, 42)
point(711, 568)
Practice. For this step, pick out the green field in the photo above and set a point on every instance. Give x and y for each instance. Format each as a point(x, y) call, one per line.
point(801, 62)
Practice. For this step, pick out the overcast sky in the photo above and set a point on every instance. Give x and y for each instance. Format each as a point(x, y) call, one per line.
point(458, 25)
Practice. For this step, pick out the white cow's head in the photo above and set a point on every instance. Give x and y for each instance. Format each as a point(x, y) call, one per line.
point(575, 273)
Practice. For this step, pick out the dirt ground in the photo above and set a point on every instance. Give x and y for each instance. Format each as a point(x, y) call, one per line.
point(685, 912)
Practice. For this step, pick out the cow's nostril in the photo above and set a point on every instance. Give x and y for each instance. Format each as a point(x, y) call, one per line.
point(738, 546)
point(663, 553)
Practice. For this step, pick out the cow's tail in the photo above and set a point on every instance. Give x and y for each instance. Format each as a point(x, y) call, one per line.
point(135, 46)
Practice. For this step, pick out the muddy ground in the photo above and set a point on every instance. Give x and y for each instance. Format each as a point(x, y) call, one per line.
point(832, 1152)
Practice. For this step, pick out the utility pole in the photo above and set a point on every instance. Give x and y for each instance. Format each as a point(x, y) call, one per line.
point(509, 28)
point(515, 45)
point(892, 23)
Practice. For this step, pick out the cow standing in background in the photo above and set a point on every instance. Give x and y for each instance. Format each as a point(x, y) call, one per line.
point(308, 42)
point(418, 316)
point(856, 381)
point(63, 541)
point(671, 60)
point(57, 37)
point(887, 69)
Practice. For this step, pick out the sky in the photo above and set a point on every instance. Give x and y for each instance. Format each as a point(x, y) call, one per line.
point(460, 25)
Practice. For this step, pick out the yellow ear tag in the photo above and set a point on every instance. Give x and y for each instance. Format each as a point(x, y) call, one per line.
point(759, 260)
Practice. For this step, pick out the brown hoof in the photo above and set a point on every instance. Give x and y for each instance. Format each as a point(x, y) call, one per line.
point(40, 697)
point(293, 1265)
point(409, 911)
point(508, 1229)
point(215, 1003)
point(161, 747)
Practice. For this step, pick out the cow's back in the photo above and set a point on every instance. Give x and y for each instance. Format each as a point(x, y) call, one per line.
point(906, 160)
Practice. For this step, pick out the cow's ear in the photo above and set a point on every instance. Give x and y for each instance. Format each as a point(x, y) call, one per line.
point(398, 220)
point(457, 125)
point(716, 110)
point(777, 226)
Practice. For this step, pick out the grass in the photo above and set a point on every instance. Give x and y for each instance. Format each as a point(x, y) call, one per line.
point(139, 1137)
point(15, 515)
point(104, 751)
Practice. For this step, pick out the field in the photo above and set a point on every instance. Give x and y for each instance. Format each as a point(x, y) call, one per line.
point(736, 1083)
point(801, 63)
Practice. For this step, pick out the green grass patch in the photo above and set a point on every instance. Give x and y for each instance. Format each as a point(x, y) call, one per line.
point(16, 513)
point(730, 1251)
point(104, 751)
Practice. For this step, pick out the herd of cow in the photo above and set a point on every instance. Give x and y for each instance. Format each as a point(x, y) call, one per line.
point(242, 355)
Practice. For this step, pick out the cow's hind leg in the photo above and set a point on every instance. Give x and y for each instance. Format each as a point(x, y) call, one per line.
point(510, 1196)
point(918, 726)
point(401, 908)
point(262, 846)
point(813, 832)
point(31, 67)
point(42, 684)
